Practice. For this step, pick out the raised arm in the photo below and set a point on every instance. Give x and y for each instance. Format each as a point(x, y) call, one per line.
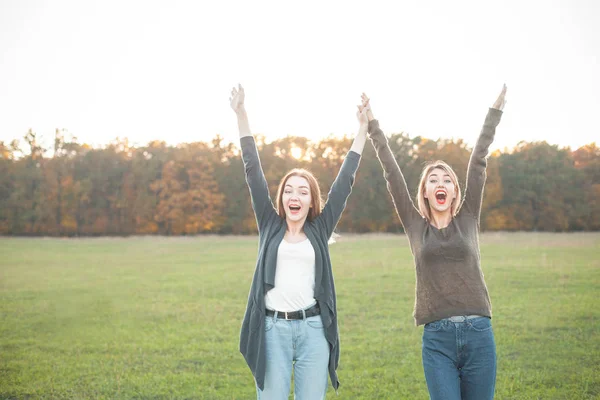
point(342, 186)
point(396, 183)
point(476, 174)
point(255, 178)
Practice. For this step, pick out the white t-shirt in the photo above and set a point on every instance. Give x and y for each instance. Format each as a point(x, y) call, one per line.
point(294, 278)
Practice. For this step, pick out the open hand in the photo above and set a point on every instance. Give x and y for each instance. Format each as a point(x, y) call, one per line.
point(361, 115)
point(237, 99)
point(500, 101)
point(367, 105)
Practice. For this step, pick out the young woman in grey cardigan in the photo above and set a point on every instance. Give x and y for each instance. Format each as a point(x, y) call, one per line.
point(291, 317)
point(452, 301)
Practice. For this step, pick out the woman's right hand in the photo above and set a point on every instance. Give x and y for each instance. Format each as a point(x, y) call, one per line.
point(365, 103)
point(237, 99)
point(501, 100)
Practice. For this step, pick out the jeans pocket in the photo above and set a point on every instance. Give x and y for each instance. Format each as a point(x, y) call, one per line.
point(269, 322)
point(433, 326)
point(481, 324)
point(316, 323)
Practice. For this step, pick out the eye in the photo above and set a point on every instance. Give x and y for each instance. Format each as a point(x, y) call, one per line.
point(304, 193)
point(448, 181)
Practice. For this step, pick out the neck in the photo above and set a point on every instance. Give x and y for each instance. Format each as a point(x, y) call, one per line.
point(440, 219)
point(295, 227)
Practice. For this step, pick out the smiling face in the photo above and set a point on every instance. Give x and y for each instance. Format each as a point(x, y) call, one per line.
point(440, 191)
point(298, 197)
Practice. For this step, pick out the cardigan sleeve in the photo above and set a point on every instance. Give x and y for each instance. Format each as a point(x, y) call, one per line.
point(255, 178)
point(339, 192)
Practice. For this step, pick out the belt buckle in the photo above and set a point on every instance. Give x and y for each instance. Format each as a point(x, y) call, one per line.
point(286, 316)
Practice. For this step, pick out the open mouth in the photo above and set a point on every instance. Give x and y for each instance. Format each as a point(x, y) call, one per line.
point(294, 209)
point(441, 196)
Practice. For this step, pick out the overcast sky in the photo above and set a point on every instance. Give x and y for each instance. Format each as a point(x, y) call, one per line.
point(150, 70)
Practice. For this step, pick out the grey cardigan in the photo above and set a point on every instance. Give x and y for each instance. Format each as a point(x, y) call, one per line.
point(271, 229)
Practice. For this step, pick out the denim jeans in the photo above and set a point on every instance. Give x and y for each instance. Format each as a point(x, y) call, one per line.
point(459, 359)
point(297, 345)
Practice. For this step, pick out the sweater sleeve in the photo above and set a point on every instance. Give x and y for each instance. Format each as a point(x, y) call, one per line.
point(476, 174)
point(339, 192)
point(396, 183)
point(255, 178)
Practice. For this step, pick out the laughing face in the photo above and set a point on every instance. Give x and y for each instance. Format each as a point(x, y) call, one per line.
point(296, 199)
point(439, 190)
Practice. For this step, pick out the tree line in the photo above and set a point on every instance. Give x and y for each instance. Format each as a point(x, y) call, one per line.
point(74, 189)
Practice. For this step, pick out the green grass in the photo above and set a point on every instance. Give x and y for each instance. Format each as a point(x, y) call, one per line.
point(159, 318)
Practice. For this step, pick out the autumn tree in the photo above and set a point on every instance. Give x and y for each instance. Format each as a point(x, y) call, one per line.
point(189, 200)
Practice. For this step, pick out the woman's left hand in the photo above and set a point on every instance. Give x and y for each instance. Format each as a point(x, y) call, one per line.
point(501, 101)
point(361, 115)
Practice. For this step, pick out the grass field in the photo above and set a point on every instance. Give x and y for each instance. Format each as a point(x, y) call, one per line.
point(159, 318)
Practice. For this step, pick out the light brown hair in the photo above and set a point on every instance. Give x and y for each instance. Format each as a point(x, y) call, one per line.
point(315, 193)
point(423, 203)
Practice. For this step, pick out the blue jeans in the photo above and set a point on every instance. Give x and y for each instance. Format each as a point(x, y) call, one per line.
point(297, 345)
point(459, 359)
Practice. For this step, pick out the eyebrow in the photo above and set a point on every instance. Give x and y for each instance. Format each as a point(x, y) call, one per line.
point(300, 187)
point(437, 175)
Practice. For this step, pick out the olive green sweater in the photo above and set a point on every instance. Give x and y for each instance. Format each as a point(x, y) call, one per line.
point(448, 264)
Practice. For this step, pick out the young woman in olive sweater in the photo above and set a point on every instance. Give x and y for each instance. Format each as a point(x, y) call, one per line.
point(452, 301)
point(291, 317)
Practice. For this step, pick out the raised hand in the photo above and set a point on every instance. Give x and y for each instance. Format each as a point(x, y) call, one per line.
point(358, 144)
point(367, 105)
point(237, 99)
point(361, 115)
point(500, 101)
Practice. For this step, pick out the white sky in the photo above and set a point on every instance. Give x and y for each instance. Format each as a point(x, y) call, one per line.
point(150, 70)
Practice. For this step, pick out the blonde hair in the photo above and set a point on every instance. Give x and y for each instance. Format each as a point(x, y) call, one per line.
point(315, 193)
point(423, 203)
